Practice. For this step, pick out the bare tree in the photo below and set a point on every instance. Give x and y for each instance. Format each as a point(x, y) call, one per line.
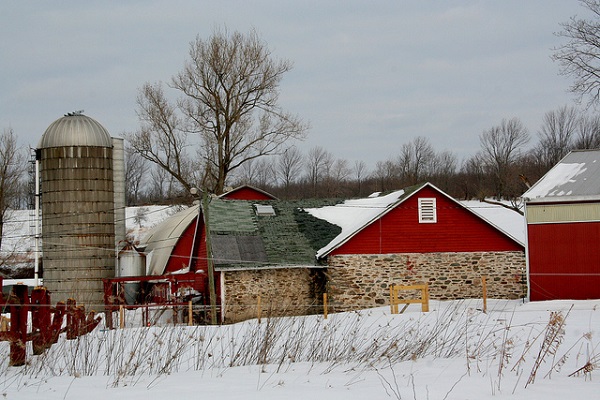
point(161, 138)
point(136, 168)
point(12, 167)
point(579, 58)
point(472, 178)
point(385, 175)
point(289, 167)
point(556, 135)
point(501, 146)
point(230, 91)
point(318, 165)
point(257, 172)
point(415, 160)
point(228, 98)
point(360, 171)
point(588, 135)
point(337, 177)
point(442, 169)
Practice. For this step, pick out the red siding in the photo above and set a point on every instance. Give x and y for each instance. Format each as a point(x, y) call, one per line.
point(247, 193)
point(456, 230)
point(180, 257)
point(564, 261)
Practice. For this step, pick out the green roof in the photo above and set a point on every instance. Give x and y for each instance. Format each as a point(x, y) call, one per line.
point(241, 239)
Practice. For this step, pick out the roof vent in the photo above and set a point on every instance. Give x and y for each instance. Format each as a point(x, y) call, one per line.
point(264, 210)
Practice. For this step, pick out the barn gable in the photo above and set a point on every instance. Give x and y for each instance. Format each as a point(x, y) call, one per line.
point(247, 192)
point(420, 219)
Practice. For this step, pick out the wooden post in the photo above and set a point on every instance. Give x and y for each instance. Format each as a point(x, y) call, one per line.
point(258, 309)
point(393, 302)
point(4, 323)
point(484, 286)
point(71, 319)
point(425, 297)
point(190, 314)
point(40, 320)
point(19, 311)
point(121, 317)
point(212, 294)
point(325, 305)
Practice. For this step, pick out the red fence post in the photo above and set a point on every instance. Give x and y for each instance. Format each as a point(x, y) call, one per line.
point(18, 324)
point(40, 320)
point(71, 320)
point(57, 321)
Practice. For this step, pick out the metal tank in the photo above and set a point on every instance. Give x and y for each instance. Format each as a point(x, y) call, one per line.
point(78, 220)
point(131, 263)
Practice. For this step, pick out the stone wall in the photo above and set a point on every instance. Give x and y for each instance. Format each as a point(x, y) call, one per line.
point(363, 281)
point(284, 291)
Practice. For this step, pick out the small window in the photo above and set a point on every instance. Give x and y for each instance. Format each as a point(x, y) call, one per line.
point(427, 211)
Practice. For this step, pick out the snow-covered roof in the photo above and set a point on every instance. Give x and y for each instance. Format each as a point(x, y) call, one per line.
point(353, 215)
point(504, 219)
point(575, 178)
point(161, 240)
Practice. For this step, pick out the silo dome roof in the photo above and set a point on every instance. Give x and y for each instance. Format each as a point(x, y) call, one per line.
point(75, 129)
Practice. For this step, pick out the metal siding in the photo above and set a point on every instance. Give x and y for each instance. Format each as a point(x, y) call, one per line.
point(564, 260)
point(118, 168)
point(578, 212)
point(77, 222)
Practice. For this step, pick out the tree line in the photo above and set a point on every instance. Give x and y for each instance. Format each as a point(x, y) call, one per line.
point(509, 159)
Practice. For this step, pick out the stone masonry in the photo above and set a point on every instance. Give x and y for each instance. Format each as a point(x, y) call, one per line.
point(363, 281)
point(283, 291)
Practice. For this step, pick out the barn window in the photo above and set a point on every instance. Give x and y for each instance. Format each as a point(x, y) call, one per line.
point(427, 211)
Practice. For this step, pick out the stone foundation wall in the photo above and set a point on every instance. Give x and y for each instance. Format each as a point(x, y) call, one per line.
point(363, 281)
point(285, 291)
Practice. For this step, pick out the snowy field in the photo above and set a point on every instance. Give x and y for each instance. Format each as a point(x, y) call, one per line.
point(546, 350)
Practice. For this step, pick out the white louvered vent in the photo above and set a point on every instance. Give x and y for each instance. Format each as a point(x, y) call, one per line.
point(427, 211)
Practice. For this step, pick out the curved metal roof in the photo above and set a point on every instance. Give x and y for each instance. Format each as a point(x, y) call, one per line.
point(161, 240)
point(75, 129)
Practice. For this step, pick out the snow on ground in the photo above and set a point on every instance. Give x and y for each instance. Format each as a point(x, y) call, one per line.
point(453, 352)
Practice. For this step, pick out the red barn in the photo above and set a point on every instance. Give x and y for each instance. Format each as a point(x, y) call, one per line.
point(563, 229)
point(294, 251)
point(422, 235)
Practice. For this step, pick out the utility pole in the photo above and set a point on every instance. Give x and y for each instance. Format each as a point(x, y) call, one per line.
point(209, 261)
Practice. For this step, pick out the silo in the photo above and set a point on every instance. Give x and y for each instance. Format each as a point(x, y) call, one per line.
point(78, 221)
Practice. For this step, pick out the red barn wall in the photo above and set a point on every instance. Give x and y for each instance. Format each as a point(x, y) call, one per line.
point(246, 193)
point(564, 260)
point(456, 230)
point(180, 257)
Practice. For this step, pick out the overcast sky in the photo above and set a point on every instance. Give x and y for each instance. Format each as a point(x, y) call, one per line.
point(368, 75)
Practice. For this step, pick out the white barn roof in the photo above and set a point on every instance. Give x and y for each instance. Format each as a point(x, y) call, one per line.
point(161, 240)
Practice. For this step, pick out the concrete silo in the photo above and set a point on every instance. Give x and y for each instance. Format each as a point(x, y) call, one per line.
point(78, 209)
